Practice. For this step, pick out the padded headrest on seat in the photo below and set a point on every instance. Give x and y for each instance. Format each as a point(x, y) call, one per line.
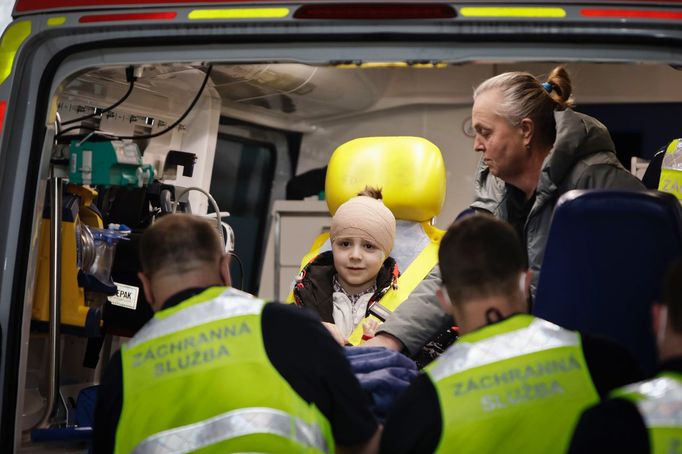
point(605, 259)
point(409, 170)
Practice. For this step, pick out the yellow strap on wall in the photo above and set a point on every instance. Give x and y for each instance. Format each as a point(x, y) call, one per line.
point(314, 251)
point(415, 273)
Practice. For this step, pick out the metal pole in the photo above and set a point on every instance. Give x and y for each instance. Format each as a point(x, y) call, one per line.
point(55, 298)
point(278, 245)
point(104, 357)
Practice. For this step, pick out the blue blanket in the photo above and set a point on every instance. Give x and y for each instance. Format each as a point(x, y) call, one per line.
point(383, 374)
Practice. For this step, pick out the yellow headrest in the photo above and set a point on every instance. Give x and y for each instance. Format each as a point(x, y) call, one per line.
point(409, 170)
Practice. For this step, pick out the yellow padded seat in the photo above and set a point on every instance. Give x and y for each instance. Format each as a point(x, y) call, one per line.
point(411, 173)
point(409, 170)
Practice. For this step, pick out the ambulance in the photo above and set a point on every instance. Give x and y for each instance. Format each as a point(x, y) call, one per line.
point(115, 112)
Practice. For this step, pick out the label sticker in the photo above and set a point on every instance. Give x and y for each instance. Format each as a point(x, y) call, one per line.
point(126, 296)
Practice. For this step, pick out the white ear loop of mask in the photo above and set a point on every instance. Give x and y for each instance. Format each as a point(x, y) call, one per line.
point(228, 234)
point(662, 322)
point(522, 282)
point(446, 295)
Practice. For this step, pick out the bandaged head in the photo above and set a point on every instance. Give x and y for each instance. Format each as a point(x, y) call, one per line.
point(365, 217)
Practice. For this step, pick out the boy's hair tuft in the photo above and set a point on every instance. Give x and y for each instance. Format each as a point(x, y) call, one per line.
point(371, 191)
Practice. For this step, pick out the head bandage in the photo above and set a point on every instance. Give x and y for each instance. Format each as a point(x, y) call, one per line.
point(365, 217)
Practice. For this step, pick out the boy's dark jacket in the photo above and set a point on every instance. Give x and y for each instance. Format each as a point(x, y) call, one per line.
point(314, 288)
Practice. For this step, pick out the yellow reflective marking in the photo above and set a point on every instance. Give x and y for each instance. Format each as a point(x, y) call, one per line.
point(243, 13)
point(390, 64)
point(429, 65)
point(15, 34)
point(54, 21)
point(384, 64)
point(671, 178)
point(512, 12)
point(671, 181)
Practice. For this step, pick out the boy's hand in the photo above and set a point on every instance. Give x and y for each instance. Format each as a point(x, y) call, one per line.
point(336, 334)
point(369, 328)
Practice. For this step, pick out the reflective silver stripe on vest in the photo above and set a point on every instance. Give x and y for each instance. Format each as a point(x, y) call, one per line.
point(540, 335)
point(231, 303)
point(663, 404)
point(236, 423)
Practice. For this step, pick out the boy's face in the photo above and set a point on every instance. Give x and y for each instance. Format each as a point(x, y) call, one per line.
point(357, 262)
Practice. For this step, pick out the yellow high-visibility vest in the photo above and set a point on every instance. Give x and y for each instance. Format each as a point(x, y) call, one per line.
point(197, 377)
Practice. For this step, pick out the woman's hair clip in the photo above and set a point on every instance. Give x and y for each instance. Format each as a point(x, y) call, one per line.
point(547, 86)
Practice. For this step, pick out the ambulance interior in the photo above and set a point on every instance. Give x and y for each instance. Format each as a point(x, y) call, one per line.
point(241, 132)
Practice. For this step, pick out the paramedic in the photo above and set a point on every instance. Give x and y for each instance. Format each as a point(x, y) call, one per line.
point(520, 380)
point(534, 148)
point(213, 368)
point(644, 417)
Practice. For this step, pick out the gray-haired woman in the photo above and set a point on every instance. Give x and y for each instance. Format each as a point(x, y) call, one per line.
point(534, 148)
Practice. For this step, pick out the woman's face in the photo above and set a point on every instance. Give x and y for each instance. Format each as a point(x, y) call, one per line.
point(502, 145)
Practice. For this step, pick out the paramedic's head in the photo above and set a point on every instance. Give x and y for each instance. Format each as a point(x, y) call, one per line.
point(483, 270)
point(178, 252)
point(668, 316)
point(362, 235)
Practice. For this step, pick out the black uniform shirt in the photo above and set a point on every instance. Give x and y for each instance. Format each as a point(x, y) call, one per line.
point(615, 425)
point(301, 350)
point(610, 367)
point(518, 209)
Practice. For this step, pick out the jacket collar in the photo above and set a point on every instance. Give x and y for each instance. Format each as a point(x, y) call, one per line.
point(182, 296)
point(314, 288)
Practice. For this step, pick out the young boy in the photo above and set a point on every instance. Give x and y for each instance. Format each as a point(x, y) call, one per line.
point(342, 284)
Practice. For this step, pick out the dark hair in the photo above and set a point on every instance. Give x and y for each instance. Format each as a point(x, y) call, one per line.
point(524, 96)
point(672, 294)
point(178, 243)
point(562, 88)
point(480, 256)
point(372, 191)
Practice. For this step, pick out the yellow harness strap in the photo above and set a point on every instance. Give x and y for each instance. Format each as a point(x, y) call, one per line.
point(415, 273)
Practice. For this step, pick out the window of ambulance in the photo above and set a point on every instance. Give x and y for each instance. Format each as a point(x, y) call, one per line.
point(243, 171)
